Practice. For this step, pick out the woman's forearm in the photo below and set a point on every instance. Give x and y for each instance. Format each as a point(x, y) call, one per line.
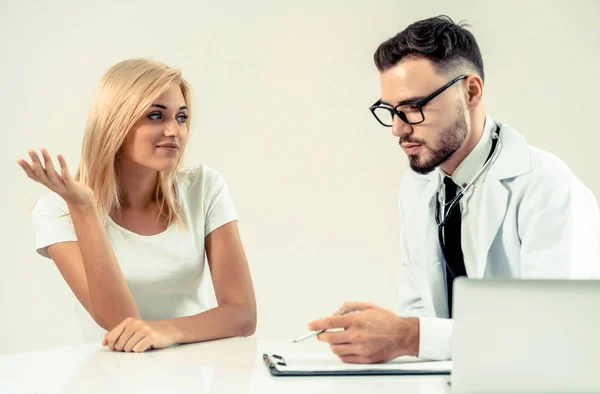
point(224, 321)
point(111, 300)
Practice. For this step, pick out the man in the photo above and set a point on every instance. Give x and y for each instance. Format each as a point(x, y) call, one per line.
point(477, 200)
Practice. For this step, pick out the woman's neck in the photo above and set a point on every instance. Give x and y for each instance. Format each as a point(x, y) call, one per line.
point(137, 185)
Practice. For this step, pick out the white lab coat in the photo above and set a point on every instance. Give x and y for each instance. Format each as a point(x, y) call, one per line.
point(536, 220)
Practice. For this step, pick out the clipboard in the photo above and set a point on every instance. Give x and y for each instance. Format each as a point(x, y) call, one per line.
point(320, 364)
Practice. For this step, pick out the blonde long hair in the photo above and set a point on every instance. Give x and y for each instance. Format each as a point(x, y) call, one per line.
point(121, 98)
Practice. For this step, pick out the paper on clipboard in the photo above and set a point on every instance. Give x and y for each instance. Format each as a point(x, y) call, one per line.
point(321, 363)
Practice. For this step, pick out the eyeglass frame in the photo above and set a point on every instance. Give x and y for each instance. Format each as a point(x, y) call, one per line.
point(419, 104)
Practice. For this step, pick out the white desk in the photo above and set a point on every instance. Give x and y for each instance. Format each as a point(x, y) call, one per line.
point(226, 366)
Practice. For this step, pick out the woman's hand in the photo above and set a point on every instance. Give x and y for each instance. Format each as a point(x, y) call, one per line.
point(72, 191)
point(134, 335)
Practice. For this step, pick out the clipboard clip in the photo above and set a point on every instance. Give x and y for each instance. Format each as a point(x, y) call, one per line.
point(268, 361)
point(274, 360)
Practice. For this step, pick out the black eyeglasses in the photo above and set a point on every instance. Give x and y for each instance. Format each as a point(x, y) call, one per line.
point(410, 112)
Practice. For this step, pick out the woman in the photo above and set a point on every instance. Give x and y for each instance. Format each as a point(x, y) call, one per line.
point(130, 230)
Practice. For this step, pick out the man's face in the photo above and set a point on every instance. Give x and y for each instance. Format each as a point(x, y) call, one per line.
point(432, 142)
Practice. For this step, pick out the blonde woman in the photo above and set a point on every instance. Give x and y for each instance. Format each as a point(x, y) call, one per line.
point(129, 231)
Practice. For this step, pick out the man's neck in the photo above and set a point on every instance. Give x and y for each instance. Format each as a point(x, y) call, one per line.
point(475, 126)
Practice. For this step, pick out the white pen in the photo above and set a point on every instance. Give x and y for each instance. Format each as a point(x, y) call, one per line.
point(314, 333)
point(308, 335)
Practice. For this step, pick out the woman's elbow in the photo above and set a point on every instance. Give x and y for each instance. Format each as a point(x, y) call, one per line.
point(248, 323)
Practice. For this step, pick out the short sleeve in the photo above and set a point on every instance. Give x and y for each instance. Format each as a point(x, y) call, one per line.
point(52, 223)
point(218, 207)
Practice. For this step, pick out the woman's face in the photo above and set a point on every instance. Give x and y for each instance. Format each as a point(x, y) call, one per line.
point(157, 140)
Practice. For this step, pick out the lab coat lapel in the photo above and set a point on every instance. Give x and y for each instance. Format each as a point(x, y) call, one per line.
point(494, 203)
point(513, 160)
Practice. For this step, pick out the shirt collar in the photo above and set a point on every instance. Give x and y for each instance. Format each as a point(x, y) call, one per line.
point(468, 168)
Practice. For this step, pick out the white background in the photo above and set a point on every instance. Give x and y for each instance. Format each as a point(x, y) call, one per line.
point(281, 91)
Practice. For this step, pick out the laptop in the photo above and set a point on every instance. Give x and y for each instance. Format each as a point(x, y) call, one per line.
point(526, 336)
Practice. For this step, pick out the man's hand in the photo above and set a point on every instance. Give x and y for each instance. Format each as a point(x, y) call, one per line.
point(371, 334)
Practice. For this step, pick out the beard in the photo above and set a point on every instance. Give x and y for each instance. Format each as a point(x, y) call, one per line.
point(450, 140)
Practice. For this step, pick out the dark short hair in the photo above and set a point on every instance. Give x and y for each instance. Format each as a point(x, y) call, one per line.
point(450, 46)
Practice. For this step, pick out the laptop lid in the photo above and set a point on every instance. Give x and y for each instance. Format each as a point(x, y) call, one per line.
point(526, 336)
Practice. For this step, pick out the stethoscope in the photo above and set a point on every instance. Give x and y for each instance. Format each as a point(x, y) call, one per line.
point(441, 218)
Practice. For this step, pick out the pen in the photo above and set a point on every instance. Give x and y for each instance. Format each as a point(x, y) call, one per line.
point(308, 335)
point(314, 333)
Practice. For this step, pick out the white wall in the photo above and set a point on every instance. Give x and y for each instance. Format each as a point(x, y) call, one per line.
point(282, 90)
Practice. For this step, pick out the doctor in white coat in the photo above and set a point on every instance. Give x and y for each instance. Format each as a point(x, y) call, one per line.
point(477, 200)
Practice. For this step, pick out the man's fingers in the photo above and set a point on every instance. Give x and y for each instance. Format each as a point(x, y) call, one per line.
point(353, 306)
point(355, 359)
point(326, 323)
point(347, 349)
point(334, 338)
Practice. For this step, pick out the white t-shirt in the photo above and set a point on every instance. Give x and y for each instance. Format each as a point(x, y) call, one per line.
point(163, 271)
